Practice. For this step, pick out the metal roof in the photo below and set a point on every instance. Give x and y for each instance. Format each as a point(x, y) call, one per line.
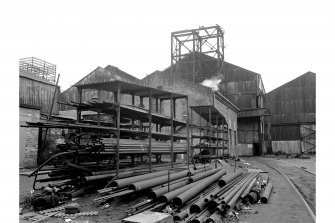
point(130, 88)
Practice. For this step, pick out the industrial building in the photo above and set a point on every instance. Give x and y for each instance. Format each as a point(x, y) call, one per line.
point(173, 138)
point(293, 120)
point(37, 90)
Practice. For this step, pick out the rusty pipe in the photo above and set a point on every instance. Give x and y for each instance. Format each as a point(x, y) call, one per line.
point(121, 183)
point(236, 196)
point(163, 190)
point(203, 175)
point(180, 216)
point(201, 217)
point(230, 194)
point(145, 184)
point(248, 188)
point(266, 194)
point(45, 202)
point(229, 177)
point(187, 195)
point(215, 217)
point(172, 194)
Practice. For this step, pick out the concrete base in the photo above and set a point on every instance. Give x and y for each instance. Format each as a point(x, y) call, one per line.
point(149, 217)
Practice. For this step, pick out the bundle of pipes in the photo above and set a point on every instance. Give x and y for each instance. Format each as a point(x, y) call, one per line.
point(228, 195)
point(141, 146)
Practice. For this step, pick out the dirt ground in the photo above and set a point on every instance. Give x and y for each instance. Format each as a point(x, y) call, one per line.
point(284, 204)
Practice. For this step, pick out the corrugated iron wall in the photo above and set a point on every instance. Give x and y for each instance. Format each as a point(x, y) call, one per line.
point(294, 102)
point(33, 93)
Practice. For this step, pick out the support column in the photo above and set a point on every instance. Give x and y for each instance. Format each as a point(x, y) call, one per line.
point(118, 117)
point(191, 133)
point(157, 127)
point(217, 138)
point(188, 135)
point(79, 108)
point(210, 127)
point(172, 129)
point(133, 103)
point(150, 121)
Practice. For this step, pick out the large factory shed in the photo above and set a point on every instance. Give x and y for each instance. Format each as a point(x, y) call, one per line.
point(293, 118)
point(37, 88)
point(242, 88)
point(199, 95)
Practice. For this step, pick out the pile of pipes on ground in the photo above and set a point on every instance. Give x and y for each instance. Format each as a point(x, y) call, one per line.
point(71, 180)
point(201, 195)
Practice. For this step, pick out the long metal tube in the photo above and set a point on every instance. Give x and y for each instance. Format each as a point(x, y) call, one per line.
point(159, 192)
point(181, 215)
point(224, 193)
point(127, 181)
point(266, 194)
point(225, 188)
point(215, 217)
point(201, 217)
point(228, 178)
point(212, 201)
point(202, 175)
point(248, 188)
point(172, 194)
point(201, 203)
point(238, 193)
point(142, 185)
point(187, 195)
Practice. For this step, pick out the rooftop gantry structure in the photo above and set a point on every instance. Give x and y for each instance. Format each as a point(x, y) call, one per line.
point(39, 68)
point(186, 46)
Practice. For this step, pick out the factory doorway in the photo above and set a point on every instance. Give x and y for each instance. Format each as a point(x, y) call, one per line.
point(257, 149)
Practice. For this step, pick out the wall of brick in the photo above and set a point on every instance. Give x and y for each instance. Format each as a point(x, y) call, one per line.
point(28, 138)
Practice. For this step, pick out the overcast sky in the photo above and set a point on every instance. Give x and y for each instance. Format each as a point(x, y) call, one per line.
point(278, 39)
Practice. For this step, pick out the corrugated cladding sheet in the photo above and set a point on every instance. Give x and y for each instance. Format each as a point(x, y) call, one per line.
point(293, 102)
point(37, 94)
point(98, 75)
point(239, 86)
point(285, 132)
point(247, 130)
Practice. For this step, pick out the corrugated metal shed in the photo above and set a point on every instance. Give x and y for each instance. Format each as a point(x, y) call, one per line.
point(97, 75)
point(36, 92)
point(293, 102)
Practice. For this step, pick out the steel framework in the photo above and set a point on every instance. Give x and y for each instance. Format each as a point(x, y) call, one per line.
point(189, 46)
point(39, 68)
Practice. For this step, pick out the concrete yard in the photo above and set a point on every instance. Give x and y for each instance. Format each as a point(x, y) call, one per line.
point(284, 204)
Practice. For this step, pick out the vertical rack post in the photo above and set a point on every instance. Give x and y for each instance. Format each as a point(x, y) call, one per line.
point(191, 122)
point(80, 91)
point(210, 126)
point(157, 113)
point(150, 121)
point(133, 103)
point(172, 129)
point(118, 117)
point(217, 138)
point(188, 135)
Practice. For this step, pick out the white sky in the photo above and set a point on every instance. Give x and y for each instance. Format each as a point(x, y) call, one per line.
point(278, 39)
point(281, 40)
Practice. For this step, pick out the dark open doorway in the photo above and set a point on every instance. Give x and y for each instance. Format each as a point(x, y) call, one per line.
point(257, 150)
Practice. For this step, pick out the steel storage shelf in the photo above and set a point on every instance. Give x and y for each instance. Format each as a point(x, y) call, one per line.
point(135, 113)
point(215, 124)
